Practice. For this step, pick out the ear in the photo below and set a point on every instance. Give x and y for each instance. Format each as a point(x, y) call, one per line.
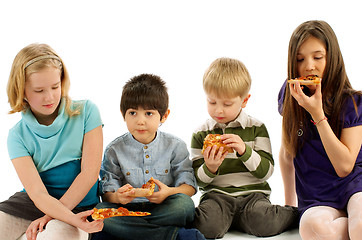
point(165, 116)
point(245, 101)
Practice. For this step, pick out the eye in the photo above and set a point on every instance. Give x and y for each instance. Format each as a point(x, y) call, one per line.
point(300, 59)
point(132, 113)
point(228, 104)
point(55, 87)
point(38, 91)
point(149, 114)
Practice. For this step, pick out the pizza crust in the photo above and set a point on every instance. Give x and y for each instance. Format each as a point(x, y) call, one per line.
point(146, 190)
point(305, 82)
point(308, 80)
point(141, 192)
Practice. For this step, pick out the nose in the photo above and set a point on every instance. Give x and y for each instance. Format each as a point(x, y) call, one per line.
point(48, 96)
point(310, 65)
point(140, 119)
point(219, 109)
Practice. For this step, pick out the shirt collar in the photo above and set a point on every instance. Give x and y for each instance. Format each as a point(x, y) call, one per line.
point(137, 143)
point(241, 120)
point(43, 130)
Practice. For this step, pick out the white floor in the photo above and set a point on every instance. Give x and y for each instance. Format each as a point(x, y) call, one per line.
point(290, 235)
point(233, 235)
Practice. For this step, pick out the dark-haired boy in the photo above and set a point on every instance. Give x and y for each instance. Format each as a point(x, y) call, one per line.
point(144, 152)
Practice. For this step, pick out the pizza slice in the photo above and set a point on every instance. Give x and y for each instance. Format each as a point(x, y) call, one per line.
point(308, 80)
point(104, 213)
point(146, 190)
point(214, 139)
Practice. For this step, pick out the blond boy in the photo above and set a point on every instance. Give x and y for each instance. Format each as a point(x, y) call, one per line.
point(234, 186)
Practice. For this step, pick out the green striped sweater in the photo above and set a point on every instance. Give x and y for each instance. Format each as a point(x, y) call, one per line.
point(237, 175)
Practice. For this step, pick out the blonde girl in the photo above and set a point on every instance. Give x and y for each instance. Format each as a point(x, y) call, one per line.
point(56, 149)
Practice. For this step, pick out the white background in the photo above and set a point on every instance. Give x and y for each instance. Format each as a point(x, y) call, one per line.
point(105, 43)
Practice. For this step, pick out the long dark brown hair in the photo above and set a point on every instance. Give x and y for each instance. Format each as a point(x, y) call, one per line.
point(335, 84)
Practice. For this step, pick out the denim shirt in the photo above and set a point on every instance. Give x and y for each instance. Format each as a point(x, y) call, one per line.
point(126, 160)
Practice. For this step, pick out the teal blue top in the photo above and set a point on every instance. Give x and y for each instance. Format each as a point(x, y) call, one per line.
point(56, 149)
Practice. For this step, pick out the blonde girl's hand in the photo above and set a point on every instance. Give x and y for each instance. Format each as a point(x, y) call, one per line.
point(213, 158)
point(234, 141)
point(163, 192)
point(37, 226)
point(124, 194)
point(312, 104)
point(89, 227)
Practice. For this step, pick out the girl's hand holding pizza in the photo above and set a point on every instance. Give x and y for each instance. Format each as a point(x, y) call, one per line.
point(85, 225)
point(312, 104)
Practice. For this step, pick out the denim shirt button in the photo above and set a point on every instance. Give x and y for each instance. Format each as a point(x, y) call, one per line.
point(146, 171)
point(147, 156)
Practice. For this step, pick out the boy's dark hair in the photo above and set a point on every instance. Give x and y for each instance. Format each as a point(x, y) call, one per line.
point(147, 91)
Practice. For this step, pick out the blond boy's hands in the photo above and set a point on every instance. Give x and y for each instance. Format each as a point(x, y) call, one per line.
point(234, 141)
point(213, 158)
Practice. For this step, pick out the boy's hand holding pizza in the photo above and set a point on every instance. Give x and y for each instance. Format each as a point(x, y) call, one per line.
point(216, 148)
point(234, 141)
point(213, 157)
point(163, 192)
point(125, 194)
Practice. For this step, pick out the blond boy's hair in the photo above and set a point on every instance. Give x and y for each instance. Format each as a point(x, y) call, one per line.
point(227, 77)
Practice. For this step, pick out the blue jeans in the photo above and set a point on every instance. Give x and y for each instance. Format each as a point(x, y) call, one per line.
point(164, 222)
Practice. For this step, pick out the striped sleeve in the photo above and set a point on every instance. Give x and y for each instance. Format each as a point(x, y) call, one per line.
point(203, 176)
point(258, 158)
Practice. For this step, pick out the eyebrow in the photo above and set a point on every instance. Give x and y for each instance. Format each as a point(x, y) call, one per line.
point(318, 51)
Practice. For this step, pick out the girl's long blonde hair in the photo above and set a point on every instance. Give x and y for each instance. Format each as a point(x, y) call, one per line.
point(23, 66)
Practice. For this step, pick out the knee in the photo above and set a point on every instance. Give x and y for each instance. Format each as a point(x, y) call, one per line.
point(315, 226)
point(269, 221)
point(209, 225)
point(56, 229)
point(105, 205)
point(184, 206)
point(355, 228)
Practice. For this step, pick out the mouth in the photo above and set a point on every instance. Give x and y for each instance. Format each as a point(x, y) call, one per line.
point(219, 118)
point(141, 131)
point(48, 105)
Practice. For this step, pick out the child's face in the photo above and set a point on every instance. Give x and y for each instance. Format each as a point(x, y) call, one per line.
point(43, 93)
point(311, 58)
point(223, 109)
point(143, 124)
